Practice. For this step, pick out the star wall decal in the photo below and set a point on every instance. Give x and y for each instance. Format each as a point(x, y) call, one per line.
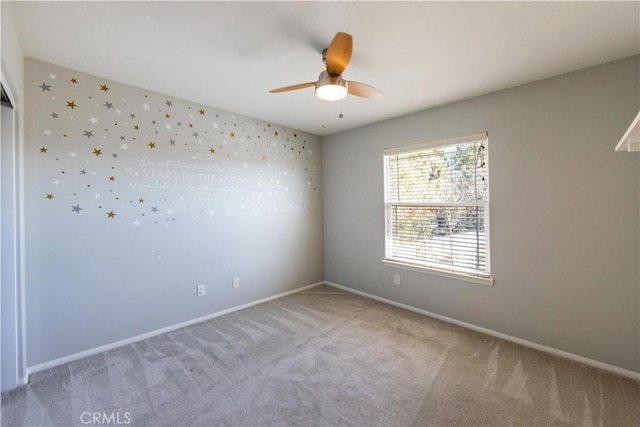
point(138, 173)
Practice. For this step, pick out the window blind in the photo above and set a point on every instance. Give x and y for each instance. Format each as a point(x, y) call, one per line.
point(437, 205)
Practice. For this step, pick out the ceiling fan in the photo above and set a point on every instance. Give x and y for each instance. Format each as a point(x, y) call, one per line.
point(330, 85)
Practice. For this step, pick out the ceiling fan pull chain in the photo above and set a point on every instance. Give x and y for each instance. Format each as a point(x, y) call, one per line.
point(340, 115)
point(324, 124)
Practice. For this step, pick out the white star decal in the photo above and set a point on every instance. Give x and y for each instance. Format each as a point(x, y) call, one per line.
point(146, 107)
point(137, 223)
point(215, 125)
point(53, 76)
point(168, 126)
point(96, 196)
point(56, 181)
point(93, 120)
point(124, 147)
point(72, 154)
point(47, 132)
point(169, 211)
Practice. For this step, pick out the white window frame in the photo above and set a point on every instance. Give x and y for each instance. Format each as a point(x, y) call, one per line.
point(475, 277)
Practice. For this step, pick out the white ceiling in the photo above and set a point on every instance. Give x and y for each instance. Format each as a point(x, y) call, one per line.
point(228, 55)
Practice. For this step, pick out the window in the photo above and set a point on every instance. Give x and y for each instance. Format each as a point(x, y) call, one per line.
point(437, 206)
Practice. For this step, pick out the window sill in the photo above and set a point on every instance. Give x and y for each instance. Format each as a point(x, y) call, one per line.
point(487, 281)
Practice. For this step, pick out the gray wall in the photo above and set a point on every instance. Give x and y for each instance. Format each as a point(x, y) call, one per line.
point(198, 196)
point(564, 213)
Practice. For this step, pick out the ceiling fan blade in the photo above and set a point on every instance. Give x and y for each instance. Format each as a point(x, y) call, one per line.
point(293, 87)
point(362, 90)
point(339, 54)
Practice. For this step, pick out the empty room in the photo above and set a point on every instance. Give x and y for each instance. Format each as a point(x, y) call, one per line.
point(320, 213)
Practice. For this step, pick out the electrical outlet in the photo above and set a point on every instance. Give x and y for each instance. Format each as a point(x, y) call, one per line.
point(236, 282)
point(396, 280)
point(200, 290)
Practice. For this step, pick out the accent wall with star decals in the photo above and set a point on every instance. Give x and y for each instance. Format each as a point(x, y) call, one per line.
point(133, 198)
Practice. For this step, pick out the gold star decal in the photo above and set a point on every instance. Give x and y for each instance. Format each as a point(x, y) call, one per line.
point(233, 135)
point(140, 200)
point(112, 178)
point(73, 80)
point(111, 214)
point(190, 125)
point(212, 150)
point(201, 111)
point(276, 133)
point(71, 104)
point(152, 145)
point(167, 115)
point(136, 127)
point(43, 149)
point(97, 152)
point(49, 196)
point(264, 157)
point(104, 88)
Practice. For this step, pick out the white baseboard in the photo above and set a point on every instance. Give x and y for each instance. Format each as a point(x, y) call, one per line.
point(564, 354)
point(90, 352)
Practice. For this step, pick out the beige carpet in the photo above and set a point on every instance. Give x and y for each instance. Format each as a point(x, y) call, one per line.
point(324, 358)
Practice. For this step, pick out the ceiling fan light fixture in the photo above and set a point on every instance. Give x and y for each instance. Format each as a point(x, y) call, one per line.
point(331, 88)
